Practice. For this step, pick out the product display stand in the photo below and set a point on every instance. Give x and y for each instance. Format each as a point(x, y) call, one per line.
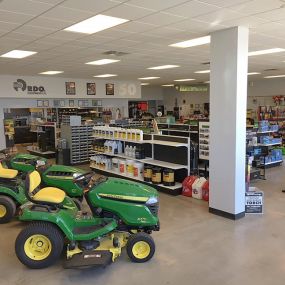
point(79, 140)
point(204, 147)
point(171, 152)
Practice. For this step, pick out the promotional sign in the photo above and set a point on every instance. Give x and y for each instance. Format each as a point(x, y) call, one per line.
point(254, 202)
point(191, 88)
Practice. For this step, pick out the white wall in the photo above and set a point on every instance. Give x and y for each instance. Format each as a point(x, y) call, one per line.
point(151, 93)
point(169, 95)
point(55, 87)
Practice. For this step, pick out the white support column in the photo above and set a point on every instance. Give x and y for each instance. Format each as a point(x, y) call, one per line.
point(228, 97)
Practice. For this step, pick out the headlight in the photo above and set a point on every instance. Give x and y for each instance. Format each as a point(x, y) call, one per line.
point(152, 200)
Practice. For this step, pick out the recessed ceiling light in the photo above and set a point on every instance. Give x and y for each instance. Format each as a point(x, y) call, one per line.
point(51, 72)
point(193, 42)
point(102, 61)
point(186, 79)
point(105, 75)
point(148, 78)
point(167, 85)
point(265, 51)
point(274, 76)
point(18, 53)
point(96, 24)
point(143, 84)
point(163, 66)
point(202, 71)
point(253, 73)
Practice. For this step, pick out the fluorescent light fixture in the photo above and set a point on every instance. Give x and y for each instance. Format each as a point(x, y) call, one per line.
point(102, 61)
point(167, 85)
point(265, 51)
point(193, 42)
point(105, 75)
point(96, 24)
point(253, 73)
point(274, 76)
point(51, 72)
point(18, 53)
point(207, 82)
point(202, 71)
point(144, 84)
point(148, 78)
point(163, 66)
point(186, 79)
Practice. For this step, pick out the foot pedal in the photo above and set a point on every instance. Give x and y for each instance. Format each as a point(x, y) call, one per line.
point(89, 258)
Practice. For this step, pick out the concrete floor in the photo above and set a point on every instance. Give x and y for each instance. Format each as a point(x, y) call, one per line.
point(193, 247)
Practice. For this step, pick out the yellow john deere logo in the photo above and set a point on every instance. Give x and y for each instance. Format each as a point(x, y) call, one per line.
point(124, 197)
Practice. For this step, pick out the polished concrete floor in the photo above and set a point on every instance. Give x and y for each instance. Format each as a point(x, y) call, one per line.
point(193, 247)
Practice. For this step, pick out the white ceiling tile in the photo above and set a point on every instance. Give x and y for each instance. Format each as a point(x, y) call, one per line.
point(24, 6)
point(128, 12)
point(135, 26)
point(67, 14)
point(54, 2)
point(156, 5)
point(161, 19)
point(192, 9)
point(274, 15)
point(225, 3)
point(7, 27)
point(34, 30)
point(217, 17)
point(256, 6)
point(95, 7)
point(196, 26)
point(66, 35)
point(249, 21)
point(50, 23)
point(11, 17)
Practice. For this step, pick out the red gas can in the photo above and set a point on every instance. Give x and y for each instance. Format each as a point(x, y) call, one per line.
point(205, 191)
point(187, 185)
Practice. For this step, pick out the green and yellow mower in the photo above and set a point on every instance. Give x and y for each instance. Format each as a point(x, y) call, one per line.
point(123, 214)
point(14, 168)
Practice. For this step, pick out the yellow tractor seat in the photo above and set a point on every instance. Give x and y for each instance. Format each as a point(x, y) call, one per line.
point(7, 173)
point(50, 194)
point(46, 195)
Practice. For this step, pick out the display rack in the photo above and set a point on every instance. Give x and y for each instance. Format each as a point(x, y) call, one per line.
point(172, 152)
point(79, 141)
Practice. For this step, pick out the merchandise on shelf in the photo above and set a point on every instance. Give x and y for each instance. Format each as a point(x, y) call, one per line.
point(118, 133)
point(270, 140)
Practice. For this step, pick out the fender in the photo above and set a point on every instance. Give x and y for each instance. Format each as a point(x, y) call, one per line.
point(18, 197)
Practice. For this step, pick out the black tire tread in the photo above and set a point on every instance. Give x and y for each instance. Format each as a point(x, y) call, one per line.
point(10, 207)
point(48, 229)
point(140, 236)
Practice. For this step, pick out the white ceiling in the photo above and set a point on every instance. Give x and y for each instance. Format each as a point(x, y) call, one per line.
point(37, 25)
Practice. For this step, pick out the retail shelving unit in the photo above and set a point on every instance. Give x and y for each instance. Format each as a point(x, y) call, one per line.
point(165, 151)
point(79, 141)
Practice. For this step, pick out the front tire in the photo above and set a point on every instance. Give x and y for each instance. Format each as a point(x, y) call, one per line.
point(140, 247)
point(39, 245)
point(7, 209)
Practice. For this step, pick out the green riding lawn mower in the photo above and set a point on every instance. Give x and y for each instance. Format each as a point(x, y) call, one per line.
point(123, 214)
point(13, 170)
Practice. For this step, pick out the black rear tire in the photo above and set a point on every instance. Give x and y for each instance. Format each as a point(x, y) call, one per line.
point(7, 209)
point(143, 254)
point(28, 245)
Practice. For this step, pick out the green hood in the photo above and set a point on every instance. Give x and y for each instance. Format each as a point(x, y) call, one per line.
point(125, 189)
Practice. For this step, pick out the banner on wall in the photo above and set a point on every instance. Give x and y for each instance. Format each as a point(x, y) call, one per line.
point(191, 88)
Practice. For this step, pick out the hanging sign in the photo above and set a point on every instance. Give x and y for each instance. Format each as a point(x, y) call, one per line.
point(254, 202)
point(191, 88)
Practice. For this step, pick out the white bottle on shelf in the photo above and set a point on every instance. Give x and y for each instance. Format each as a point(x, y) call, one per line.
point(127, 150)
point(120, 147)
point(134, 152)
